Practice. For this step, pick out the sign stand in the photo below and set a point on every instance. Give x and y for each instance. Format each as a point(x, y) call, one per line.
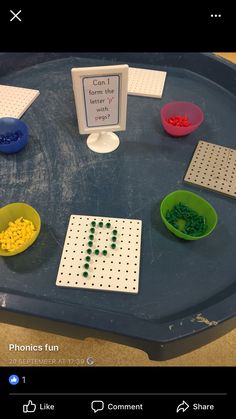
point(101, 103)
point(103, 142)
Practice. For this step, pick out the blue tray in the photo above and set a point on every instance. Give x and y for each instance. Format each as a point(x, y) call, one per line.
point(180, 282)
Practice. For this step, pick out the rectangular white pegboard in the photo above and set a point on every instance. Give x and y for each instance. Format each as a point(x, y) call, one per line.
point(117, 271)
point(14, 101)
point(144, 82)
point(213, 167)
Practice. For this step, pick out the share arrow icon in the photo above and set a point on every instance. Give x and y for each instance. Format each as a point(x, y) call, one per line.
point(182, 406)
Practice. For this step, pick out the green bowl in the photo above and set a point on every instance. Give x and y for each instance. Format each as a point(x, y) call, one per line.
point(194, 202)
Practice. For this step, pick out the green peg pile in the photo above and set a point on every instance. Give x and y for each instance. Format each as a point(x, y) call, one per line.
point(187, 220)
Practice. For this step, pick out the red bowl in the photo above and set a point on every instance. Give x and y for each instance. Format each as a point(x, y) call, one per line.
point(193, 112)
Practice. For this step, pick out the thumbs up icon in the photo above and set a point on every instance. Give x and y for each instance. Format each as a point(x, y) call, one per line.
point(30, 407)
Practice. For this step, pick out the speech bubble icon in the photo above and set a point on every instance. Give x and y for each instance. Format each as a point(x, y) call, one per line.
point(97, 405)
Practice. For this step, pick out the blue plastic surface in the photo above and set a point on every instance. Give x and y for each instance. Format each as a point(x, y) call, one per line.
point(59, 176)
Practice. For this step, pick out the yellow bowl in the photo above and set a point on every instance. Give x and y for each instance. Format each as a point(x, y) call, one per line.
point(16, 210)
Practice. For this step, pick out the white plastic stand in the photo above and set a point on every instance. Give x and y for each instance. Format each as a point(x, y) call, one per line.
point(103, 142)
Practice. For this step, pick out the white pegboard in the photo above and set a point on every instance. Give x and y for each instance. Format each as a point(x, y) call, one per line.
point(14, 101)
point(213, 167)
point(144, 82)
point(117, 271)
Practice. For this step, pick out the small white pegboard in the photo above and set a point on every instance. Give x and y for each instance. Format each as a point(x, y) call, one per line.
point(117, 271)
point(213, 167)
point(14, 101)
point(142, 82)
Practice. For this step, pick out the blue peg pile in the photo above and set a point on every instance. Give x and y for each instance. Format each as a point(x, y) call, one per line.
point(10, 137)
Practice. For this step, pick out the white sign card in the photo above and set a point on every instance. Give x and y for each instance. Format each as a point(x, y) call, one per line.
point(101, 97)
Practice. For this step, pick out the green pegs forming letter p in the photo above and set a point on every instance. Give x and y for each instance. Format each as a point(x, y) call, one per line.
point(94, 228)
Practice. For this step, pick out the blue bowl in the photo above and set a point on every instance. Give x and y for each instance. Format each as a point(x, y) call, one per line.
point(13, 135)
